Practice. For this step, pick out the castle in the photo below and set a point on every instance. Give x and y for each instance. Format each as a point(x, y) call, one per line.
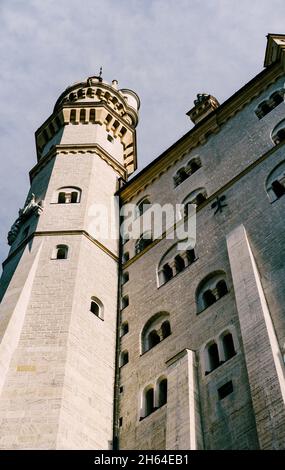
point(111, 343)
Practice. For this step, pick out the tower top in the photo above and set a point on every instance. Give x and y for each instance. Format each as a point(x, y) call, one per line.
point(93, 102)
point(81, 92)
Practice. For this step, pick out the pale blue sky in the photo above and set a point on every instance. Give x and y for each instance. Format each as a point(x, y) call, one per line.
point(165, 50)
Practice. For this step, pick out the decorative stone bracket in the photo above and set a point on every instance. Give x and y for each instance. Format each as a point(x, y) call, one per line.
point(31, 208)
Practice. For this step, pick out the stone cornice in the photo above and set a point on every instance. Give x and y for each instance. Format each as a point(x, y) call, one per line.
point(78, 149)
point(200, 133)
point(82, 104)
point(60, 233)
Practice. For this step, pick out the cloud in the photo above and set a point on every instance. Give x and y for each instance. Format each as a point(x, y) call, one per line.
point(165, 50)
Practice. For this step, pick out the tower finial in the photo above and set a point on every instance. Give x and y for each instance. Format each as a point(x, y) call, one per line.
point(100, 73)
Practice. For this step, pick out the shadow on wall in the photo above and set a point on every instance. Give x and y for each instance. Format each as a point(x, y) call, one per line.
point(21, 233)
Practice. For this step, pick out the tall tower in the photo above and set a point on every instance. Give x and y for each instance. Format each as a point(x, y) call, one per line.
point(59, 285)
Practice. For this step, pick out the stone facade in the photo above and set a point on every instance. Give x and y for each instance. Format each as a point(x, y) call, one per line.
point(194, 360)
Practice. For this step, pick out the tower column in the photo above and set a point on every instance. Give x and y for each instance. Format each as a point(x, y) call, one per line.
point(262, 353)
point(183, 430)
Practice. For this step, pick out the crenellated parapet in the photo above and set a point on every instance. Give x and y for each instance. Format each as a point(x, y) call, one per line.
point(93, 103)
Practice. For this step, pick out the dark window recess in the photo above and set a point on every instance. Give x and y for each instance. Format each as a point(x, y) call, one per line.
point(225, 390)
point(121, 389)
point(125, 301)
point(149, 399)
point(213, 356)
point(121, 422)
point(124, 358)
point(209, 298)
point(162, 393)
point(124, 328)
point(61, 253)
point(229, 348)
point(94, 308)
point(167, 272)
point(61, 198)
point(125, 277)
point(200, 199)
point(191, 256)
point(165, 329)
point(153, 339)
point(179, 263)
point(73, 197)
point(278, 188)
point(222, 288)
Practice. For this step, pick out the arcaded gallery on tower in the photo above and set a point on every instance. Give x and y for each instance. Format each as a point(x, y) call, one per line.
point(123, 343)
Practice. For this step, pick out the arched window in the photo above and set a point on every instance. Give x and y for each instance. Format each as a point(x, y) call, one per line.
point(73, 116)
point(96, 307)
point(89, 93)
point(191, 256)
point(125, 277)
point(278, 133)
point(194, 165)
point(277, 98)
point(92, 116)
point(213, 356)
point(263, 109)
point(162, 392)
point(143, 206)
point(195, 197)
point(179, 263)
point(124, 328)
point(153, 339)
point(173, 262)
point(124, 358)
point(181, 175)
point(148, 402)
point(210, 289)
point(222, 288)
point(165, 329)
point(82, 116)
point(81, 93)
point(275, 183)
point(144, 241)
point(72, 96)
point(61, 198)
point(61, 251)
point(228, 346)
point(68, 195)
point(200, 198)
point(125, 301)
point(278, 188)
point(156, 329)
point(74, 197)
point(167, 272)
point(268, 105)
point(209, 298)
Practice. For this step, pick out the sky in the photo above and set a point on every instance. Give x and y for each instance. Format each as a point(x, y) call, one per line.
point(167, 51)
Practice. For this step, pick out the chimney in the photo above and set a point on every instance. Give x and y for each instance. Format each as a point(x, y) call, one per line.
point(204, 105)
